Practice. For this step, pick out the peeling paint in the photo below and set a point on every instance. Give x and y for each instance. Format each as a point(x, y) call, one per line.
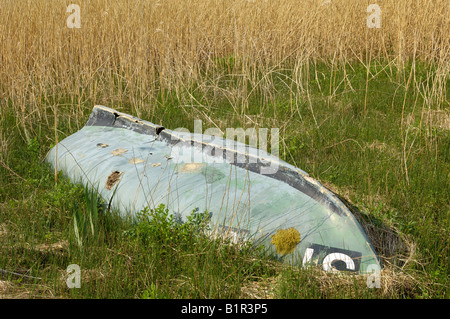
point(136, 160)
point(119, 151)
point(113, 179)
point(190, 167)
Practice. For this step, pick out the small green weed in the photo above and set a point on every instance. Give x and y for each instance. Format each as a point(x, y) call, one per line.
point(86, 219)
point(159, 226)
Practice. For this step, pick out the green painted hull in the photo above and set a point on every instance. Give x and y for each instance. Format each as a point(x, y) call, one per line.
point(139, 164)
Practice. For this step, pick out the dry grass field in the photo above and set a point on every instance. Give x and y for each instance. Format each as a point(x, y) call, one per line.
point(140, 48)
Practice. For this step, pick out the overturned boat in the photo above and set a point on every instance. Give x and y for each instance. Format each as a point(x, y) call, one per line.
point(250, 194)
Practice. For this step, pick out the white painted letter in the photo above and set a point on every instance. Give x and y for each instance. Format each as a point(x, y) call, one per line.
point(328, 260)
point(308, 256)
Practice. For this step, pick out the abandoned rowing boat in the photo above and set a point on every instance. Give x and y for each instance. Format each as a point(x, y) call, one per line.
point(250, 193)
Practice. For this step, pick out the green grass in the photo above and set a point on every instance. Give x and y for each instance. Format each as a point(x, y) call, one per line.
point(370, 141)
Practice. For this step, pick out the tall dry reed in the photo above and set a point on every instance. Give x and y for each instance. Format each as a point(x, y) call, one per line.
point(138, 49)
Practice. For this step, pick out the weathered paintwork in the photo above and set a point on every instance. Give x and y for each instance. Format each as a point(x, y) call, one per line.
point(250, 193)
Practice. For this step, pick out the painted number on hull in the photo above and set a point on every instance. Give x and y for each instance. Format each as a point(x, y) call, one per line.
point(332, 259)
